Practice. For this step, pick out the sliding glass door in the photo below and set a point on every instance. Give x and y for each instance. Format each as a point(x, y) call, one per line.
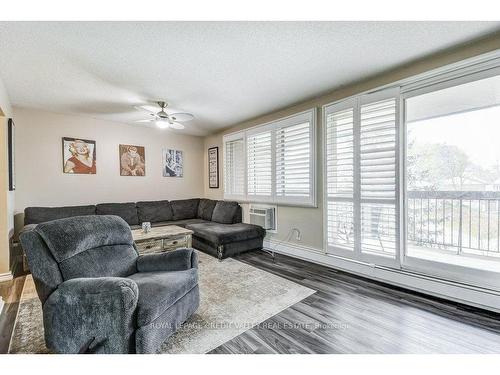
point(452, 180)
point(412, 177)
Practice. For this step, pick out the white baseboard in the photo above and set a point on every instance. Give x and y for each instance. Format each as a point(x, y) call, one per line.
point(5, 276)
point(466, 294)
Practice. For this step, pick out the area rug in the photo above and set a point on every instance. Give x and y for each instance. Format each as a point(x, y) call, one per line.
point(234, 298)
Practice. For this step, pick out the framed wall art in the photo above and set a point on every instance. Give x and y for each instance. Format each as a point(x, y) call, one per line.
point(173, 163)
point(132, 160)
point(79, 156)
point(213, 167)
point(10, 146)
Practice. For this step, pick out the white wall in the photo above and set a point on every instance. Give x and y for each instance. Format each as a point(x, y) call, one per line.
point(41, 181)
point(7, 109)
point(6, 197)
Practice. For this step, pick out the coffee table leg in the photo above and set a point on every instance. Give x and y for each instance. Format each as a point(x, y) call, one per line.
point(220, 249)
point(189, 241)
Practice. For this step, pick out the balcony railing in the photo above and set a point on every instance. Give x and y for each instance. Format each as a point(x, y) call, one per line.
point(456, 222)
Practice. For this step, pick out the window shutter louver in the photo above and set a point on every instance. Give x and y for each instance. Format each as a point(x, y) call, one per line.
point(234, 168)
point(293, 161)
point(361, 177)
point(259, 165)
point(378, 176)
point(340, 178)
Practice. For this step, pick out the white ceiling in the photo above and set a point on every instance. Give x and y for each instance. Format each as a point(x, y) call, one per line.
point(222, 72)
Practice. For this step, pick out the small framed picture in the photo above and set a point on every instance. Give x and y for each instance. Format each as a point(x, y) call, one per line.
point(173, 163)
point(213, 167)
point(78, 156)
point(132, 160)
point(10, 145)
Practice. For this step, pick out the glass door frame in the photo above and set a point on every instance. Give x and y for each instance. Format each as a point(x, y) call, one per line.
point(446, 271)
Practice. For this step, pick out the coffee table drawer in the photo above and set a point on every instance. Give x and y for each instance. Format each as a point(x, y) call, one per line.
point(175, 243)
point(148, 247)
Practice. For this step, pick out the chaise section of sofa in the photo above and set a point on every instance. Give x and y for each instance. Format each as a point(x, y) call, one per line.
point(217, 225)
point(223, 240)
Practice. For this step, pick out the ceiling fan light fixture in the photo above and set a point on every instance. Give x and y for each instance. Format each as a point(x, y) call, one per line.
point(162, 124)
point(163, 119)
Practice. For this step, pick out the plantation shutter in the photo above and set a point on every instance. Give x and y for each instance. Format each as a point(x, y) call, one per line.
point(340, 176)
point(294, 164)
point(378, 176)
point(361, 177)
point(259, 165)
point(234, 167)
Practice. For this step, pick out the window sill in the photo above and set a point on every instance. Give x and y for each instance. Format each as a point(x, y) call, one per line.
point(279, 204)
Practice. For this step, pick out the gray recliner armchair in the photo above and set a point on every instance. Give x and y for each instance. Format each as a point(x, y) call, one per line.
point(99, 295)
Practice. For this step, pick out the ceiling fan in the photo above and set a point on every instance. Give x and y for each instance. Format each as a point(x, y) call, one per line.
point(163, 119)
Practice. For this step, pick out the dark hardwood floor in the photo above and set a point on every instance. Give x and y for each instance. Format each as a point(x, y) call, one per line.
point(349, 314)
point(11, 293)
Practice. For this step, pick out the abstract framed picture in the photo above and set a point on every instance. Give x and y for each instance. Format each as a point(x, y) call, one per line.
point(79, 156)
point(10, 145)
point(173, 163)
point(213, 167)
point(132, 160)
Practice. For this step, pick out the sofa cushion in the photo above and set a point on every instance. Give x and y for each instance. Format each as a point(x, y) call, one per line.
point(224, 212)
point(221, 234)
point(127, 211)
point(154, 211)
point(185, 208)
point(206, 208)
point(160, 290)
point(238, 216)
point(36, 215)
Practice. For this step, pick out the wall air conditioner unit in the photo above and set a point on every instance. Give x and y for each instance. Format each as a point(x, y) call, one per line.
point(264, 216)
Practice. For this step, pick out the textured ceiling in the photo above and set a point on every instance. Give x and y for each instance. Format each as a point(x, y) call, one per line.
point(222, 72)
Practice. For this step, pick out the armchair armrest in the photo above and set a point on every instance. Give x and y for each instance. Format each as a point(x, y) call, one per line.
point(177, 260)
point(91, 315)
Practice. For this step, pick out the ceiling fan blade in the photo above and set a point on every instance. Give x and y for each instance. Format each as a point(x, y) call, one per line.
point(182, 117)
point(151, 120)
point(176, 125)
point(148, 108)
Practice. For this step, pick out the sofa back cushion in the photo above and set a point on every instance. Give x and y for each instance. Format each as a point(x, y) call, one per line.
point(37, 215)
point(185, 208)
point(238, 216)
point(154, 211)
point(94, 246)
point(224, 212)
point(127, 211)
point(206, 208)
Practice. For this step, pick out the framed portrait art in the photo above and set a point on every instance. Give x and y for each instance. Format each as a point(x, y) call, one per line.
point(132, 160)
point(213, 167)
point(173, 163)
point(79, 156)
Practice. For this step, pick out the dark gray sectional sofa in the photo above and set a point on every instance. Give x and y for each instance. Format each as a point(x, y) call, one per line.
point(217, 225)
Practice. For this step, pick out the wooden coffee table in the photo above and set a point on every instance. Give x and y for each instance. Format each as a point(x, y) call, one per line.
point(160, 239)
